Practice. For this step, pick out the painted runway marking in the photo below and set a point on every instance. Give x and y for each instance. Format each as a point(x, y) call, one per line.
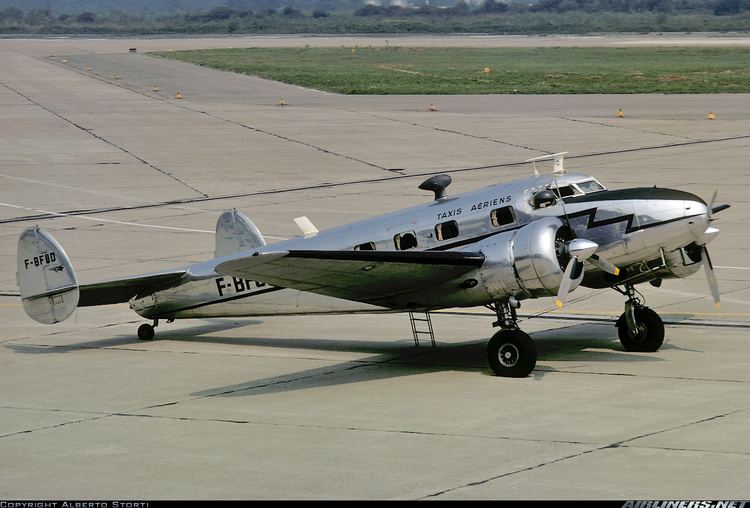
point(733, 267)
point(124, 223)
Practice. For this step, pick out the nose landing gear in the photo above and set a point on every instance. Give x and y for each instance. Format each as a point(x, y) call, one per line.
point(639, 328)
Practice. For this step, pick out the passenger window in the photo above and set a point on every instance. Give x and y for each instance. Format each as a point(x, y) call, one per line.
point(365, 246)
point(446, 230)
point(405, 241)
point(502, 216)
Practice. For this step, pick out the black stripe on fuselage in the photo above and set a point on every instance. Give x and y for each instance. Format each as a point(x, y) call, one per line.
point(647, 193)
point(408, 257)
point(222, 300)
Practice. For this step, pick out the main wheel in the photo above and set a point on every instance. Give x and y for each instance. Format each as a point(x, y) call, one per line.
point(511, 353)
point(650, 333)
point(145, 332)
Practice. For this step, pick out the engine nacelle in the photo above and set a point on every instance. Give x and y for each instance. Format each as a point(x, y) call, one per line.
point(681, 263)
point(528, 262)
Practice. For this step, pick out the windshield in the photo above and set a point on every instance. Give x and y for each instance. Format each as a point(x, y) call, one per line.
point(590, 186)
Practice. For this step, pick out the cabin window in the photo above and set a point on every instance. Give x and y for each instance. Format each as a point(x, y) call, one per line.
point(406, 240)
point(446, 230)
point(502, 216)
point(365, 246)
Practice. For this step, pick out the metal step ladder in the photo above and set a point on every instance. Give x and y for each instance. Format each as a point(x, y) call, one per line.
point(418, 325)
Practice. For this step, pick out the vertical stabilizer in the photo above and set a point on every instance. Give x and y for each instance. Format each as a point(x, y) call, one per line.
point(48, 284)
point(236, 233)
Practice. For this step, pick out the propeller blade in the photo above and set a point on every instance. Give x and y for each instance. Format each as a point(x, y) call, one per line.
point(711, 203)
point(604, 265)
point(567, 282)
point(711, 277)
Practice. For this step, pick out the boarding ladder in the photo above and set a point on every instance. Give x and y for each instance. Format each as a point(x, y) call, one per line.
point(421, 326)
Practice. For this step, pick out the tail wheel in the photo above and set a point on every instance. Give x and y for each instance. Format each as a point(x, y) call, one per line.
point(511, 353)
point(649, 335)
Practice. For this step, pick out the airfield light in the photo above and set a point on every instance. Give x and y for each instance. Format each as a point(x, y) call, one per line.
point(432, 107)
point(155, 88)
point(620, 113)
point(487, 70)
point(710, 116)
point(178, 95)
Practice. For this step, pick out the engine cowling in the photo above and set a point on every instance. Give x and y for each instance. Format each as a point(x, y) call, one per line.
point(528, 262)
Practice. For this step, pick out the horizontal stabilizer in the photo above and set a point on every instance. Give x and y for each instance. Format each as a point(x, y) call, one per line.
point(48, 283)
point(121, 290)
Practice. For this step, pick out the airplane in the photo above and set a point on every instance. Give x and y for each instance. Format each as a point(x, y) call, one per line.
point(538, 236)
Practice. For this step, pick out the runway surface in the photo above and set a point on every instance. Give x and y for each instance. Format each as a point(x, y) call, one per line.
point(131, 180)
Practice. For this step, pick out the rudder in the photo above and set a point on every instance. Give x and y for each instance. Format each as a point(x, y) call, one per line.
point(45, 276)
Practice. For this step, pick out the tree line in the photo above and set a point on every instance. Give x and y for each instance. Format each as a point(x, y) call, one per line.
point(394, 16)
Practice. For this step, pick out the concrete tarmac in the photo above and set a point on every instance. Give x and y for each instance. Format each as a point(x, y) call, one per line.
point(131, 180)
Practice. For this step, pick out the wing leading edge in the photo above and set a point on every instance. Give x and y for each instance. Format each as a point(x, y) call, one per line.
point(365, 276)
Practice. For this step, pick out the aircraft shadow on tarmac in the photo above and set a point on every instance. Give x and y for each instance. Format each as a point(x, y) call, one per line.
point(580, 344)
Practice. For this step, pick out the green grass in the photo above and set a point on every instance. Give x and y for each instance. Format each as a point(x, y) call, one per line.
point(395, 70)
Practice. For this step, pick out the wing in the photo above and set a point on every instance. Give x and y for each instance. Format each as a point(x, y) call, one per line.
point(364, 276)
point(121, 290)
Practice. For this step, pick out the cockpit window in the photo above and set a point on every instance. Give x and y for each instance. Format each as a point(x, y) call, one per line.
point(564, 191)
point(590, 186)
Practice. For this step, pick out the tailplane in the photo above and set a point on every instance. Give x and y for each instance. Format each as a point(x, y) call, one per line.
point(48, 283)
point(236, 233)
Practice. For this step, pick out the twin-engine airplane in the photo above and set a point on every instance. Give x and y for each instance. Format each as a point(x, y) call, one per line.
point(538, 236)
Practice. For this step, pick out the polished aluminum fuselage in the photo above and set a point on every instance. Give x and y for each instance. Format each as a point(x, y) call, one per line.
point(631, 226)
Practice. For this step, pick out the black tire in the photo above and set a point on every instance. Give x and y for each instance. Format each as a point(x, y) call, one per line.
point(146, 332)
point(650, 334)
point(511, 353)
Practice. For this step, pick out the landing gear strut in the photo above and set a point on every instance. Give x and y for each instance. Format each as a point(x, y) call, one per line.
point(510, 352)
point(640, 329)
point(146, 331)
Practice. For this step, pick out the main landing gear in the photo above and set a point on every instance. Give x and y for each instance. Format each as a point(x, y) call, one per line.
point(640, 329)
point(510, 352)
point(146, 331)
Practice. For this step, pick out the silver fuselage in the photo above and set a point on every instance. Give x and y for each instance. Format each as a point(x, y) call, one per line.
point(636, 229)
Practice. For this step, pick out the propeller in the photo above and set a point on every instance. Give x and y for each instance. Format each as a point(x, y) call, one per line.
point(578, 249)
point(604, 265)
point(710, 276)
point(708, 266)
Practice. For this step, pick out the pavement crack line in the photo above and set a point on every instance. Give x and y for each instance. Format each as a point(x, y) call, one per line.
point(450, 131)
point(291, 140)
point(604, 124)
point(105, 140)
point(616, 444)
